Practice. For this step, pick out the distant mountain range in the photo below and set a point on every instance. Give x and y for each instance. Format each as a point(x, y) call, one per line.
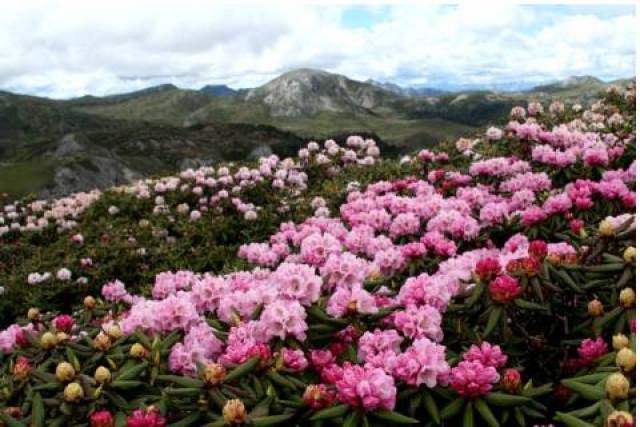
point(53, 147)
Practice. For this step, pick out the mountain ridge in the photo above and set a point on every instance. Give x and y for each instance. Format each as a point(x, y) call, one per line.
point(45, 143)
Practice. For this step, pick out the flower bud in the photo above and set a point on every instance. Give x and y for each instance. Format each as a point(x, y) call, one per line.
point(234, 412)
point(89, 302)
point(213, 374)
point(629, 255)
point(606, 229)
point(48, 340)
point(102, 342)
point(620, 341)
point(114, 331)
point(317, 396)
point(33, 314)
point(627, 298)
point(626, 359)
point(22, 368)
point(73, 392)
point(511, 380)
point(102, 375)
point(63, 323)
point(101, 418)
point(595, 308)
point(62, 337)
point(65, 372)
point(138, 351)
point(617, 386)
point(619, 419)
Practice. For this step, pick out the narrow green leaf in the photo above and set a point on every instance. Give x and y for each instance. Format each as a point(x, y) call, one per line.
point(432, 408)
point(394, 417)
point(271, 420)
point(485, 412)
point(504, 399)
point(37, 411)
point(333, 412)
point(452, 408)
point(571, 421)
point(494, 316)
point(242, 370)
point(467, 420)
point(587, 391)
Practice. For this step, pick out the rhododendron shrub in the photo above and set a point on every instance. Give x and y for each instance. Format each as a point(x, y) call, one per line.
point(488, 282)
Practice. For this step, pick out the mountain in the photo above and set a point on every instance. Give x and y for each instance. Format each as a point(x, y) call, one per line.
point(306, 92)
point(52, 147)
point(407, 91)
point(218, 90)
point(570, 83)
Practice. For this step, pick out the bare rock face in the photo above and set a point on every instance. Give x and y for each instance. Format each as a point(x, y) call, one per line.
point(308, 92)
point(100, 172)
point(68, 145)
point(260, 151)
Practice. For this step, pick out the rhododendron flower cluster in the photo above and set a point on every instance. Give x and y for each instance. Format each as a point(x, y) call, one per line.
point(367, 388)
point(210, 187)
point(477, 373)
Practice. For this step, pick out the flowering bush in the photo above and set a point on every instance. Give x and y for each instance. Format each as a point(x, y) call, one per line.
point(477, 284)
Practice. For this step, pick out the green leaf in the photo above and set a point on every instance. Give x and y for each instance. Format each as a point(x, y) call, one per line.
point(271, 420)
point(394, 417)
point(37, 411)
point(182, 392)
point(494, 316)
point(333, 412)
point(591, 378)
point(475, 294)
point(587, 411)
point(467, 420)
point(485, 412)
point(262, 408)
point(126, 384)
point(181, 381)
point(605, 267)
point(571, 421)
point(432, 408)
point(528, 305)
point(568, 280)
point(504, 399)
point(531, 391)
point(452, 408)
point(131, 372)
point(242, 370)
point(587, 391)
point(519, 416)
point(279, 379)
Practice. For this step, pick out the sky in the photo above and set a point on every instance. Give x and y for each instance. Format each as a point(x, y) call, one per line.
point(69, 48)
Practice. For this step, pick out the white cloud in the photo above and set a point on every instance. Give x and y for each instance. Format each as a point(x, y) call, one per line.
point(69, 48)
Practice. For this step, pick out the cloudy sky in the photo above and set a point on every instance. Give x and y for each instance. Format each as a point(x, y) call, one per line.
point(69, 48)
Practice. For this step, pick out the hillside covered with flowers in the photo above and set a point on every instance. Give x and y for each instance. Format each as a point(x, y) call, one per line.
point(486, 282)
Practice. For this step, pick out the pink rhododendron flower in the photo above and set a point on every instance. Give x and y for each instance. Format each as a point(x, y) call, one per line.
point(424, 362)
point(366, 388)
point(473, 379)
point(504, 289)
point(487, 354)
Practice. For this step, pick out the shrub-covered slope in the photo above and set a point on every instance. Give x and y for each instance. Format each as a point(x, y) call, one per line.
point(487, 282)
